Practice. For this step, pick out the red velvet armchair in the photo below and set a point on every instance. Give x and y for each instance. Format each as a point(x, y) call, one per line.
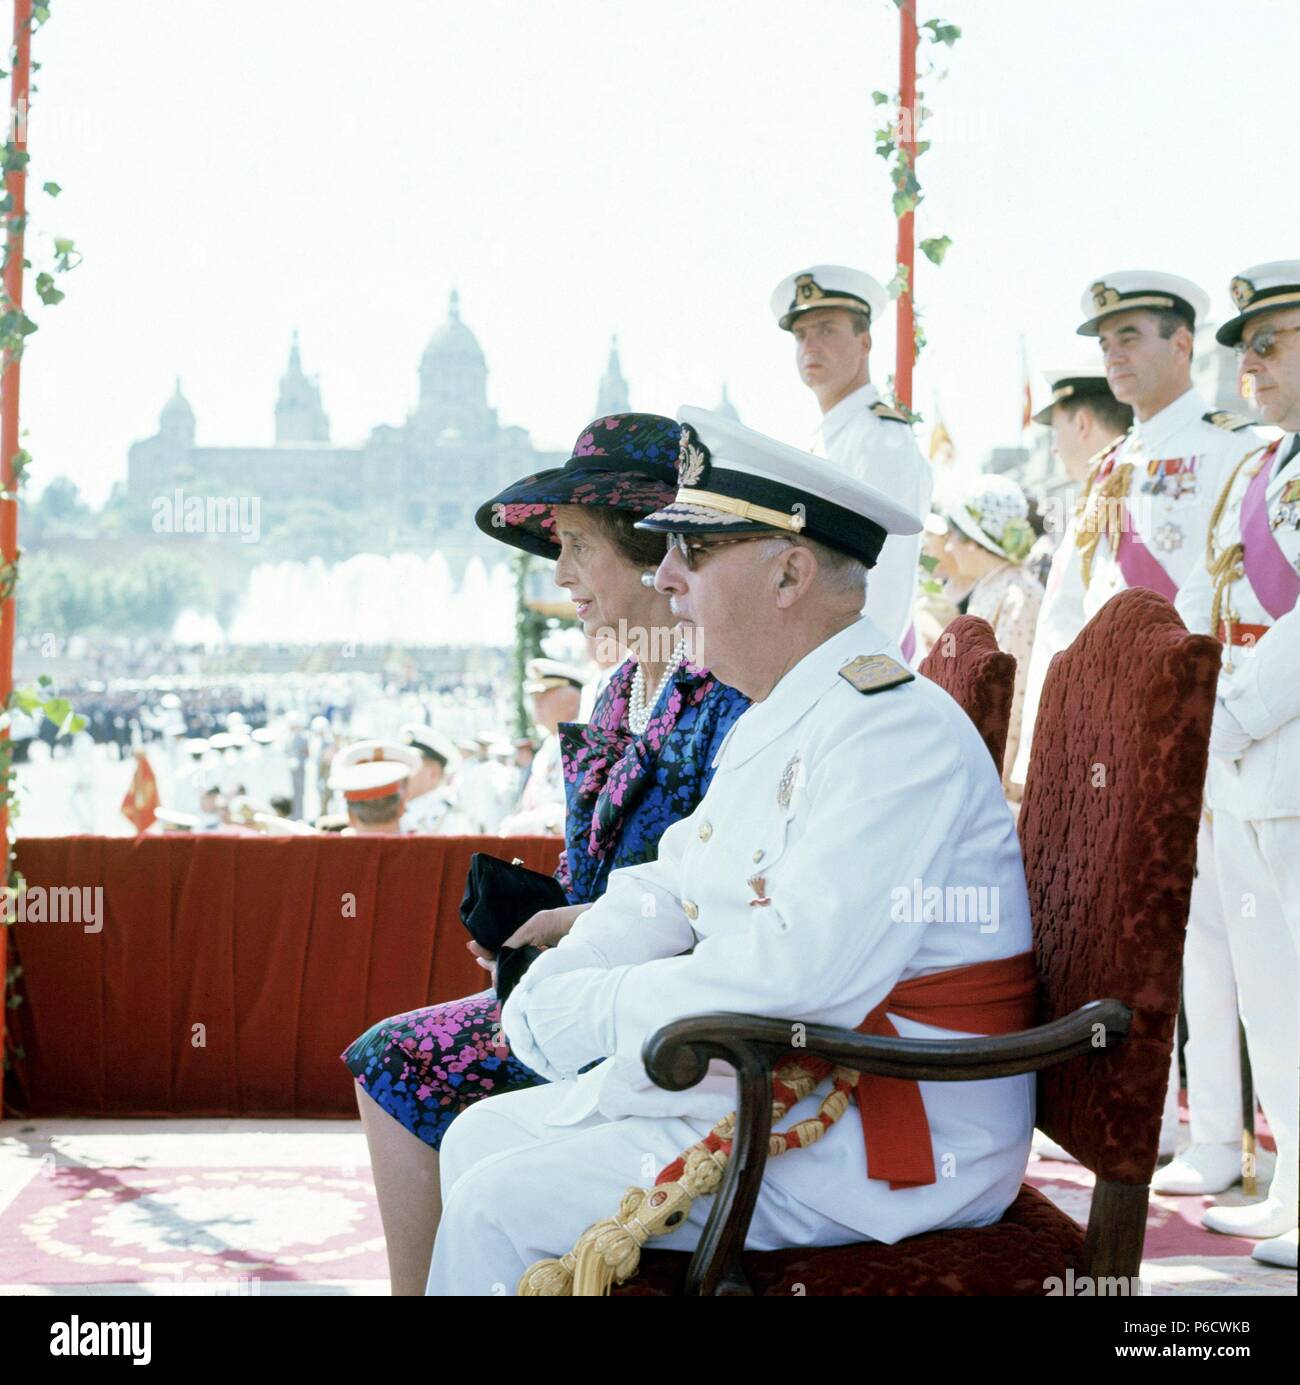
point(968, 665)
point(1108, 831)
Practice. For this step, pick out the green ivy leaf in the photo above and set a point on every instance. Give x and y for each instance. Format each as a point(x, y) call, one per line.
point(935, 248)
point(942, 33)
point(49, 293)
point(878, 98)
point(53, 189)
point(58, 709)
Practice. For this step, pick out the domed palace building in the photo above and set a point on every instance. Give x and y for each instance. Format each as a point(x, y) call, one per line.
point(423, 479)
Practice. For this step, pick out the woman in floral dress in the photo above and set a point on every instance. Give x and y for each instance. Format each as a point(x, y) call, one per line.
point(643, 762)
point(986, 548)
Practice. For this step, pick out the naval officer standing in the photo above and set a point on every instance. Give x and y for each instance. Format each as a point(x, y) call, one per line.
point(789, 892)
point(1141, 521)
point(1247, 593)
point(830, 311)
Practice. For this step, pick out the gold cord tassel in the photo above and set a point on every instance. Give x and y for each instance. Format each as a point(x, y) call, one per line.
point(1102, 511)
point(1225, 567)
point(609, 1251)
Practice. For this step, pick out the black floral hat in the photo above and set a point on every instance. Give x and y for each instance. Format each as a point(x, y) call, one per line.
point(620, 462)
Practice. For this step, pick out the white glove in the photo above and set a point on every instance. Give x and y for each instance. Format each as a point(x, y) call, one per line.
point(1228, 737)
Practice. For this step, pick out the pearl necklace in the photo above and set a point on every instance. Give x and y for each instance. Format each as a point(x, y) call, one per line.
point(638, 709)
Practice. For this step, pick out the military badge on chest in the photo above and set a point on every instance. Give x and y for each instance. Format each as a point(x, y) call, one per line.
point(1172, 477)
point(1167, 538)
point(1288, 511)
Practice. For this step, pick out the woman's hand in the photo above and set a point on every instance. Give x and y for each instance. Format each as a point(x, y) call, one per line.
point(547, 926)
point(544, 929)
point(487, 960)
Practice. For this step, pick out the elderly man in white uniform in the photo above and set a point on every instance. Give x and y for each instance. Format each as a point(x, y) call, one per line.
point(1248, 595)
point(1142, 522)
point(830, 311)
point(840, 799)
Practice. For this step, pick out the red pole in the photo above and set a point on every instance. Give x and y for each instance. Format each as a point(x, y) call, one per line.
point(907, 118)
point(16, 187)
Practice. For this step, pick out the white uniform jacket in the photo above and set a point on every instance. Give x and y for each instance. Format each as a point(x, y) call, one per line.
point(1180, 464)
point(1262, 688)
point(863, 820)
point(883, 453)
point(434, 814)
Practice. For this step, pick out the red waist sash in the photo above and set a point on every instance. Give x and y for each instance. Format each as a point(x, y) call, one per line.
point(997, 997)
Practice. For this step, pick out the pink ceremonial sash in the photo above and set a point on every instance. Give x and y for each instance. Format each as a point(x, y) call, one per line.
point(909, 643)
point(1141, 568)
point(1270, 574)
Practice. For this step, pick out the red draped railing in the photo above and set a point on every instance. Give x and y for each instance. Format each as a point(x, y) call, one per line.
point(230, 972)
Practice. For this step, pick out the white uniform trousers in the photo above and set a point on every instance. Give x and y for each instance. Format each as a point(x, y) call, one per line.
point(516, 1190)
point(1213, 1052)
point(1259, 880)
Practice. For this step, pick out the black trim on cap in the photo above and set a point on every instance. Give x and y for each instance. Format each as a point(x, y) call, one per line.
point(1230, 333)
point(824, 521)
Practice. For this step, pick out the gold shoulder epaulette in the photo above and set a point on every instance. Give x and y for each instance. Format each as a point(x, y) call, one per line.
point(883, 410)
point(1229, 422)
point(873, 673)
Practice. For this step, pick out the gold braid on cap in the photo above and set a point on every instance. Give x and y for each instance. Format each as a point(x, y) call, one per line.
point(1101, 510)
point(1227, 565)
point(609, 1252)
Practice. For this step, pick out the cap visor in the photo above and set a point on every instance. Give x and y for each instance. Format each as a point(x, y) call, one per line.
point(700, 519)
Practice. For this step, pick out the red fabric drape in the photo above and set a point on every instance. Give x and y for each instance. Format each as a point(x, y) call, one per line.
point(284, 950)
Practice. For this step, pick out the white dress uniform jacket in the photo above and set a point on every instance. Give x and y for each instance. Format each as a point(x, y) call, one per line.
point(1262, 688)
point(434, 814)
point(1169, 513)
point(542, 806)
point(883, 453)
point(846, 812)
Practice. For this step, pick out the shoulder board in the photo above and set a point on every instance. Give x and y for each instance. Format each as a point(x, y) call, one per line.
point(883, 410)
point(1230, 423)
point(873, 673)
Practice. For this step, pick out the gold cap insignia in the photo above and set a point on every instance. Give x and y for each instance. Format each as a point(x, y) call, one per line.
point(807, 290)
point(692, 458)
point(1242, 291)
point(1103, 296)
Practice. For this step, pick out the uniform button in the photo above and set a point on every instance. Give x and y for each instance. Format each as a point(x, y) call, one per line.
point(706, 831)
point(759, 854)
point(690, 909)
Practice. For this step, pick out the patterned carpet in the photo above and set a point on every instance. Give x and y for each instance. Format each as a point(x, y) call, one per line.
point(287, 1207)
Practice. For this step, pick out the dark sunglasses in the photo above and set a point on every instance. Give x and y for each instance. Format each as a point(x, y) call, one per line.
point(690, 549)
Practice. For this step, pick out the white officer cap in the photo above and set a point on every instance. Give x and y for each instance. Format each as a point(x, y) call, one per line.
point(544, 674)
point(1260, 289)
point(827, 286)
point(733, 480)
point(372, 769)
point(430, 742)
point(1127, 289)
point(1073, 382)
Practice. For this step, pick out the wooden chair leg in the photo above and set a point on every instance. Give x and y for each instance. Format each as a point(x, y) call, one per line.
point(1117, 1226)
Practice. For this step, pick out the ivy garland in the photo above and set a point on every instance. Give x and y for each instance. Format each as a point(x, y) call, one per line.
point(15, 327)
point(891, 139)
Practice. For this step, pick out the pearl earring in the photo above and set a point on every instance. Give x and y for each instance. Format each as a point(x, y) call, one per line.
point(647, 579)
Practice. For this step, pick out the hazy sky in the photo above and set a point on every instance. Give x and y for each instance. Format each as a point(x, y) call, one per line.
point(233, 169)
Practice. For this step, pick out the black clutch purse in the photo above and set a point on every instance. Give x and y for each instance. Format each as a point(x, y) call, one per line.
point(500, 897)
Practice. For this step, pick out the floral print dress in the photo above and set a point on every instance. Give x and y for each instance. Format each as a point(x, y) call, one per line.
point(623, 791)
